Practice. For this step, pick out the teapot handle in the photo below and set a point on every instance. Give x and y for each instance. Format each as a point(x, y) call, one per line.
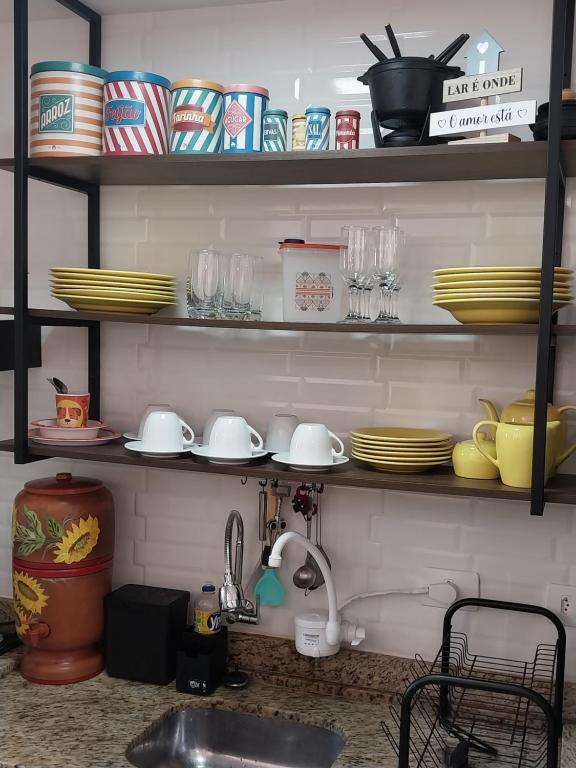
point(478, 442)
point(563, 408)
point(565, 454)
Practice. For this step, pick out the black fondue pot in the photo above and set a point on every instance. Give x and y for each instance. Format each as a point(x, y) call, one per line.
point(404, 91)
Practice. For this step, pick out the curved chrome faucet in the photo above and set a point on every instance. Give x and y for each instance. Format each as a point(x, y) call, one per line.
point(233, 604)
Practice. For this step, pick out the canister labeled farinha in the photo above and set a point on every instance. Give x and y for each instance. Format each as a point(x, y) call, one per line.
point(196, 123)
point(244, 107)
point(136, 108)
point(65, 109)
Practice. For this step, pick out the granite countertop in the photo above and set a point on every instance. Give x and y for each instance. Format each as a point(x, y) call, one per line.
point(91, 724)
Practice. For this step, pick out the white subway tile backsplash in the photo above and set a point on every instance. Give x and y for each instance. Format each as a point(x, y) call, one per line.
point(171, 524)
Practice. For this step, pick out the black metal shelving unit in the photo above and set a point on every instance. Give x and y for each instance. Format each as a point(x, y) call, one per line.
point(551, 162)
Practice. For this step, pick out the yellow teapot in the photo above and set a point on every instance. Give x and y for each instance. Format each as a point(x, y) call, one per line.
point(514, 443)
point(522, 412)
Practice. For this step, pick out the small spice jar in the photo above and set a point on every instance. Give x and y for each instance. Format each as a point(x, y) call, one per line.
point(275, 128)
point(299, 132)
point(317, 128)
point(347, 129)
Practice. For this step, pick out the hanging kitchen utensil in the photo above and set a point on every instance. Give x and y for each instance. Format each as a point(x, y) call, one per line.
point(373, 48)
point(269, 590)
point(393, 41)
point(305, 576)
point(317, 492)
point(451, 50)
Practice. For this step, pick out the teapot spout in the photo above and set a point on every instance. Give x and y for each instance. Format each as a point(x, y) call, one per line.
point(492, 414)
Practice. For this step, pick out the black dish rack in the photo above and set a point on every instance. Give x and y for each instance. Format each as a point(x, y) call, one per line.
point(465, 710)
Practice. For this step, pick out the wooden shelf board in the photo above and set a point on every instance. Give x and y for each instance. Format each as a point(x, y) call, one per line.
point(522, 160)
point(353, 475)
point(68, 317)
point(453, 329)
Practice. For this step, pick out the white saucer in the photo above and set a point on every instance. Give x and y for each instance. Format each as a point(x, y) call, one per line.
point(202, 451)
point(136, 447)
point(284, 458)
point(131, 435)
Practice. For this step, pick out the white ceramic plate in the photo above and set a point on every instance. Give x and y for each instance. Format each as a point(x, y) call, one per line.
point(284, 458)
point(132, 436)
point(136, 447)
point(203, 452)
point(104, 436)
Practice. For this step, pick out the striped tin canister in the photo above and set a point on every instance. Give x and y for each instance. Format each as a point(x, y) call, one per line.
point(196, 123)
point(347, 129)
point(66, 109)
point(317, 128)
point(136, 108)
point(274, 130)
point(244, 107)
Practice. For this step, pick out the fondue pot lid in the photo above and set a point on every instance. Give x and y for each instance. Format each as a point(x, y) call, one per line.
point(62, 484)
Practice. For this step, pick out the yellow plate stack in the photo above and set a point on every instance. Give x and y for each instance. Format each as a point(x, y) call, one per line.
point(401, 449)
point(110, 290)
point(497, 294)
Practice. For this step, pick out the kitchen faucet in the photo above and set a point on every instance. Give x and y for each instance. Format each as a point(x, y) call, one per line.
point(233, 604)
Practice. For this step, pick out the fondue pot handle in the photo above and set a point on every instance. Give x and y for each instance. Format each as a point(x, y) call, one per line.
point(39, 630)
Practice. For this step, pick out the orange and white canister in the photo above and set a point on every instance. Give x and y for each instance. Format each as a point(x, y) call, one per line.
point(66, 103)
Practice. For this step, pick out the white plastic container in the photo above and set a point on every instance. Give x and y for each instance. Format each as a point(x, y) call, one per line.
point(313, 290)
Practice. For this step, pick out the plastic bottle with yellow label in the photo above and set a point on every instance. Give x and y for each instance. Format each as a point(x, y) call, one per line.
point(207, 611)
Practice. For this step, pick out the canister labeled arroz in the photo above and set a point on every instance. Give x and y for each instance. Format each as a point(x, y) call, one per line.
point(275, 128)
point(347, 129)
point(298, 132)
point(317, 128)
point(136, 108)
point(66, 109)
point(244, 107)
point(196, 122)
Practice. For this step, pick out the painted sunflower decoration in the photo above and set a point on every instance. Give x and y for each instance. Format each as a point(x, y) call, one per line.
point(78, 541)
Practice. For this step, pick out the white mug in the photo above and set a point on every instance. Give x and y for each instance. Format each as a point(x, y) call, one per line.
point(163, 433)
point(151, 408)
point(231, 438)
point(215, 414)
point(280, 430)
point(312, 444)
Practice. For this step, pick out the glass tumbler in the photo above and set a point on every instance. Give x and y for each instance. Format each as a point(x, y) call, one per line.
point(203, 284)
point(237, 286)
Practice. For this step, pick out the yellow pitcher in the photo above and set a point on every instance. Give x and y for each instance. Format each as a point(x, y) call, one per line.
point(514, 451)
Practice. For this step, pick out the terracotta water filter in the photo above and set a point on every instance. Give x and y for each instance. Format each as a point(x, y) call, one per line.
point(63, 547)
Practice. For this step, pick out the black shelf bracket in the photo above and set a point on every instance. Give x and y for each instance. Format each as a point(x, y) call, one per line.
point(24, 333)
point(33, 350)
point(560, 70)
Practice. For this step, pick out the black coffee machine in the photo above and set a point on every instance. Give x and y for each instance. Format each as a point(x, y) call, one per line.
point(404, 91)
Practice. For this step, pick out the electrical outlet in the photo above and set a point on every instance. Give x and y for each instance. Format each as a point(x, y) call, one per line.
point(467, 583)
point(561, 599)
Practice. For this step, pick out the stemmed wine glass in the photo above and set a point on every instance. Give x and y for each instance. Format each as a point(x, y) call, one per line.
point(357, 270)
point(389, 243)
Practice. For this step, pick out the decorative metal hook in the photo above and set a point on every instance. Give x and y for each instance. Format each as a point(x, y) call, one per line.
point(244, 479)
point(263, 483)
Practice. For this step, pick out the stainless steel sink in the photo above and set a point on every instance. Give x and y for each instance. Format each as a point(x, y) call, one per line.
point(215, 738)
